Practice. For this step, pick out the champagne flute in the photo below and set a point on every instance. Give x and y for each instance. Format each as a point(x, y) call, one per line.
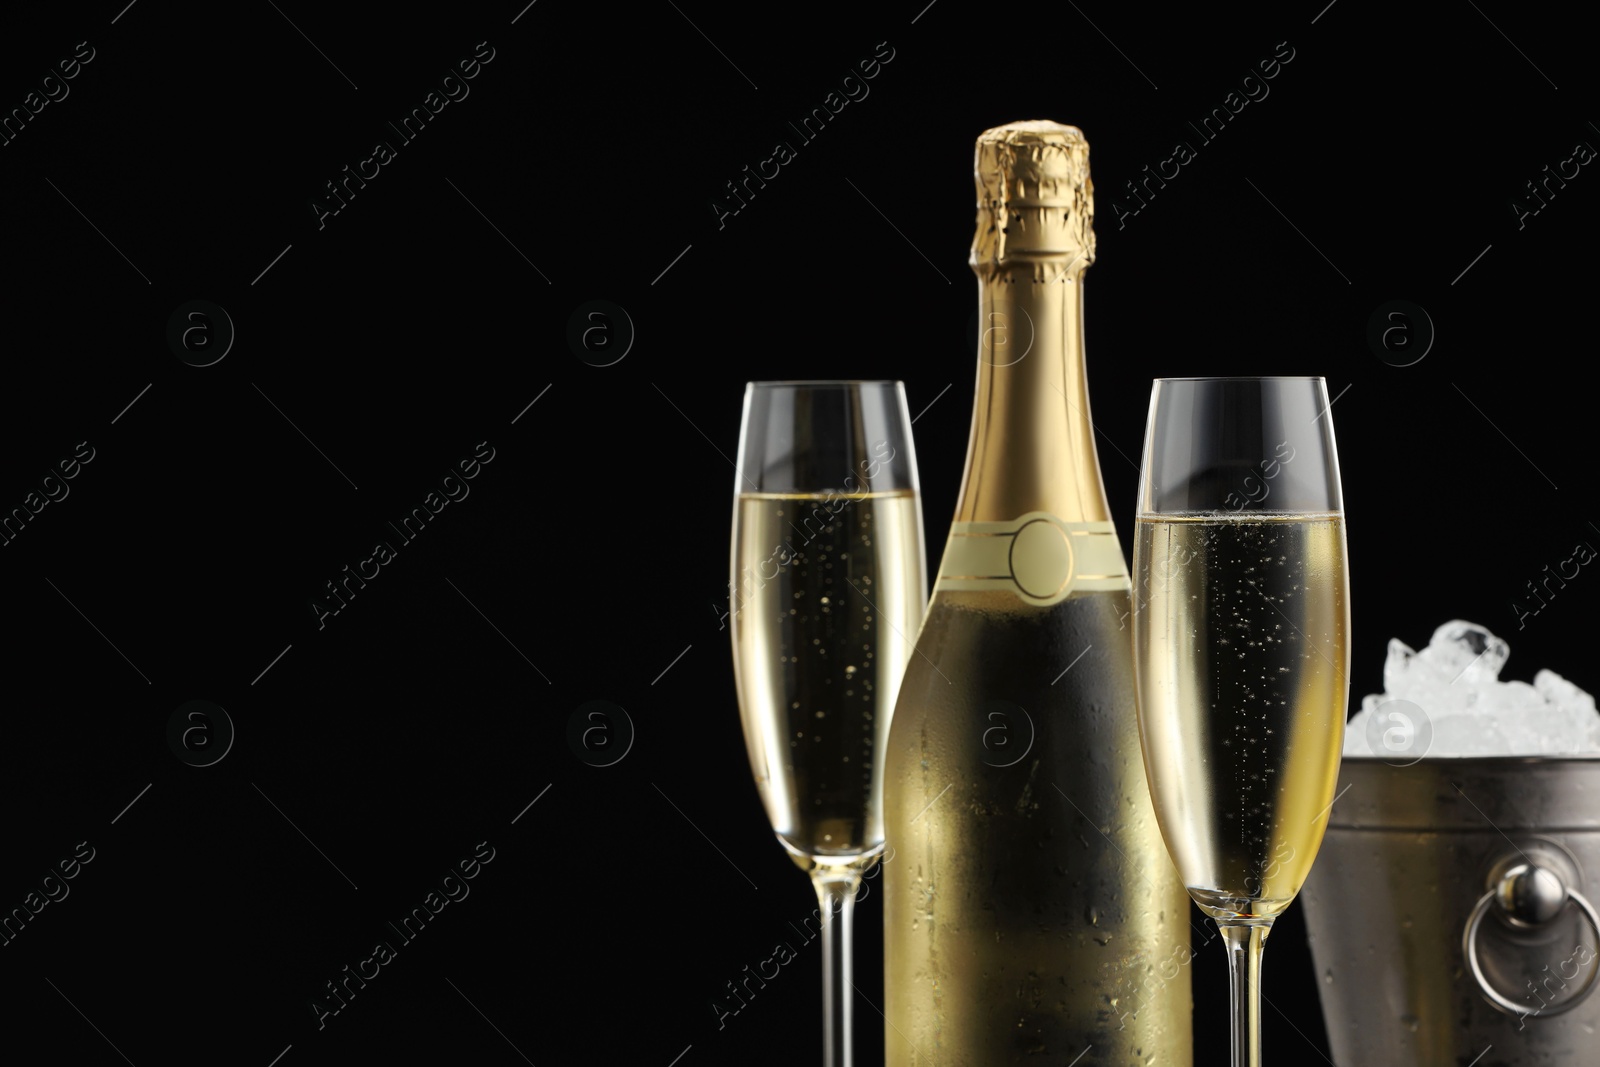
point(1241, 630)
point(828, 590)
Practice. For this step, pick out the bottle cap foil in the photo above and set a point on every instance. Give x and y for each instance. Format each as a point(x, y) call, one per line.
point(1035, 199)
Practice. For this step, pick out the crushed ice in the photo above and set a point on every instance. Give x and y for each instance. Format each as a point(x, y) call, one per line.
point(1447, 700)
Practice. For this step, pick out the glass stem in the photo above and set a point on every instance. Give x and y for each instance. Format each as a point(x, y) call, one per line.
point(836, 901)
point(1244, 944)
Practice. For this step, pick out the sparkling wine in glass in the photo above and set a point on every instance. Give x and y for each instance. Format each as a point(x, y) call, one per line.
point(1241, 645)
point(828, 590)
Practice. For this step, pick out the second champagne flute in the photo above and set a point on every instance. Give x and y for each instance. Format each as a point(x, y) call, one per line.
point(1241, 645)
point(828, 590)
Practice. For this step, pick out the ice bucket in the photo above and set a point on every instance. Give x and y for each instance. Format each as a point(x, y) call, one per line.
point(1449, 913)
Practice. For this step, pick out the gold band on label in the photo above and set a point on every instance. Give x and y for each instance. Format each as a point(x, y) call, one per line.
point(1037, 556)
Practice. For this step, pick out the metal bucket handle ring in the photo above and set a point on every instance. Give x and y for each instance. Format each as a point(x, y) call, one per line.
point(1527, 896)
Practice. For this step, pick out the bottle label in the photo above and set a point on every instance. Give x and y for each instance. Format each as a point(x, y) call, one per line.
point(1037, 556)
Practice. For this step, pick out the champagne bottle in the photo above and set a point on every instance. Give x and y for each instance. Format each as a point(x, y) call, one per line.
point(1032, 914)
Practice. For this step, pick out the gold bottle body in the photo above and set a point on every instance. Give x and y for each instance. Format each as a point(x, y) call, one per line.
point(1032, 914)
point(1031, 910)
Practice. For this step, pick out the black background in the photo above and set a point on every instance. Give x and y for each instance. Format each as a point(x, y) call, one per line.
point(591, 554)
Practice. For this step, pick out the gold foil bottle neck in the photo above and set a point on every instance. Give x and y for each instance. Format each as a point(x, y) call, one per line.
point(1035, 199)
